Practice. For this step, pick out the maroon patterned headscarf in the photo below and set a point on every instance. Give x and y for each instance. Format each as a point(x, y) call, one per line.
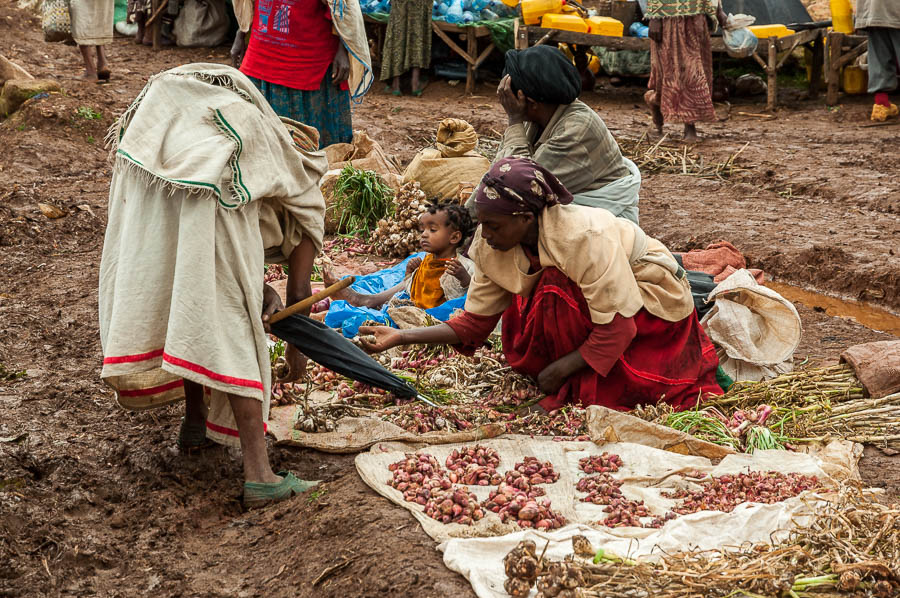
point(515, 186)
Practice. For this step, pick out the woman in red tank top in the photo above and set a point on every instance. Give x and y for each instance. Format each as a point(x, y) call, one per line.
point(300, 65)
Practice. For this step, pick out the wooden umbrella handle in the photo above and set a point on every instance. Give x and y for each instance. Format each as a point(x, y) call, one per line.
point(314, 298)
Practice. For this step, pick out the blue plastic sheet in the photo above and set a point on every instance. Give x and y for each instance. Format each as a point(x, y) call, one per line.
point(348, 319)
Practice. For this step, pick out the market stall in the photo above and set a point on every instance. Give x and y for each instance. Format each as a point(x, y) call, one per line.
point(472, 35)
point(771, 53)
point(843, 49)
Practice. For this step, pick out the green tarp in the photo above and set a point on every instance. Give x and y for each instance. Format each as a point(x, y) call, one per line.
point(121, 11)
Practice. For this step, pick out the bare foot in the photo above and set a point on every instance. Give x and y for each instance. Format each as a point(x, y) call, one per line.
point(347, 294)
point(690, 133)
point(655, 112)
point(88, 75)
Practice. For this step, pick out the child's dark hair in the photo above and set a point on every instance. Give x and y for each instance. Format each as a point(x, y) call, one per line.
point(457, 216)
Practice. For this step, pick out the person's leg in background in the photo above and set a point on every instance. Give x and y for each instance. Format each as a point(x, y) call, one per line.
point(884, 56)
point(90, 67)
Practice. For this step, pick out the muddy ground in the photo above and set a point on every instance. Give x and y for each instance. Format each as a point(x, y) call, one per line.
point(95, 500)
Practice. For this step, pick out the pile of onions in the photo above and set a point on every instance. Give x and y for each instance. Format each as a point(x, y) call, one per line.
point(724, 493)
point(454, 505)
point(604, 463)
point(523, 508)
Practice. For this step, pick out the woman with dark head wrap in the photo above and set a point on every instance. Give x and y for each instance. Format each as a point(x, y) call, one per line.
point(593, 309)
point(547, 123)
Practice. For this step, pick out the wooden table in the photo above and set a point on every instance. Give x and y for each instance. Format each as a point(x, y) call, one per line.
point(444, 30)
point(769, 49)
point(842, 49)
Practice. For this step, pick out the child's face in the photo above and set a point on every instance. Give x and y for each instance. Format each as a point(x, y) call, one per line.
point(437, 236)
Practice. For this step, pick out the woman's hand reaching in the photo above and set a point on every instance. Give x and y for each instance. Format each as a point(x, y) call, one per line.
point(375, 339)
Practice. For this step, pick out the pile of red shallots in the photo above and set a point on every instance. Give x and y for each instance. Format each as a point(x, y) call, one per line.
point(476, 465)
point(516, 498)
point(422, 481)
point(454, 505)
point(600, 463)
point(532, 470)
point(414, 474)
point(273, 273)
point(603, 489)
point(724, 493)
point(523, 507)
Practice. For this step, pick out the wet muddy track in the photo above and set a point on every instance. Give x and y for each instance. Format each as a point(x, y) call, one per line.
point(94, 500)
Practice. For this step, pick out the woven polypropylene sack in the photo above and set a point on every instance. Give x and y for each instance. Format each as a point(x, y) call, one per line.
point(55, 20)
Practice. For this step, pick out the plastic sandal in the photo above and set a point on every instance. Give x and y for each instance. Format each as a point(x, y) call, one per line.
point(191, 438)
point(424, 83)
point(258, 494)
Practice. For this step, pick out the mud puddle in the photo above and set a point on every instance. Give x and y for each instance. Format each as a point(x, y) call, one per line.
point(869, 316)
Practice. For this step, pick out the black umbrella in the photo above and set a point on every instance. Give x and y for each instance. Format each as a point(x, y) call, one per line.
point(330, 349)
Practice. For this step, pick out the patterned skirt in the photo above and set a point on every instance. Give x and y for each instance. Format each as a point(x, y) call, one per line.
point(327, 108)
point(681, 73)
point(407, 40)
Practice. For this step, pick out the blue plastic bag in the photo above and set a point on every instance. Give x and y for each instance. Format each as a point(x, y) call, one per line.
point(349, 318)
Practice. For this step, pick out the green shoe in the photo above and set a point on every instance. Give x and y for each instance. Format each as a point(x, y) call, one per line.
point(424, 83)
point(191, 437)
point(259, 494)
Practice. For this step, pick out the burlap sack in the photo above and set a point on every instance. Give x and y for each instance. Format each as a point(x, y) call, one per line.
point(616, 426)
point(877, 365)
point(202, 24)
point(355, 434)
point(441, 172)
point(10, 71)
point(455, 137)
point(338, 152)
point(755, 330)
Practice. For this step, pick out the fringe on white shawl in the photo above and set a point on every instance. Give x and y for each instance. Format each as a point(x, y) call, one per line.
point(114, 134)
point(150, 180)
point(122, 162)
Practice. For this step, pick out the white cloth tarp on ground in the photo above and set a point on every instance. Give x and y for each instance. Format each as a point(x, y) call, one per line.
point(477, 551)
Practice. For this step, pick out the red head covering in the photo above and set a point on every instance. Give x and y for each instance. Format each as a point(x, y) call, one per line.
point(520, 186)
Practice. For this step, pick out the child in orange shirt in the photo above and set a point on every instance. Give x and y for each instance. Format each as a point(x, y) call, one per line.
point(441, 275)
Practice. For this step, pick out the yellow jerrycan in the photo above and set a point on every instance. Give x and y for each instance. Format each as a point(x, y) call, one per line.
point(842, 16)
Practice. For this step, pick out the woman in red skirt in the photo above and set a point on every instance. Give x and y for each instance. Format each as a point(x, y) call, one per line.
point(593, 309)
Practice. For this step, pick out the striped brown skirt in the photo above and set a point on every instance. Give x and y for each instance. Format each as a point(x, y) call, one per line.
point(681, 73)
